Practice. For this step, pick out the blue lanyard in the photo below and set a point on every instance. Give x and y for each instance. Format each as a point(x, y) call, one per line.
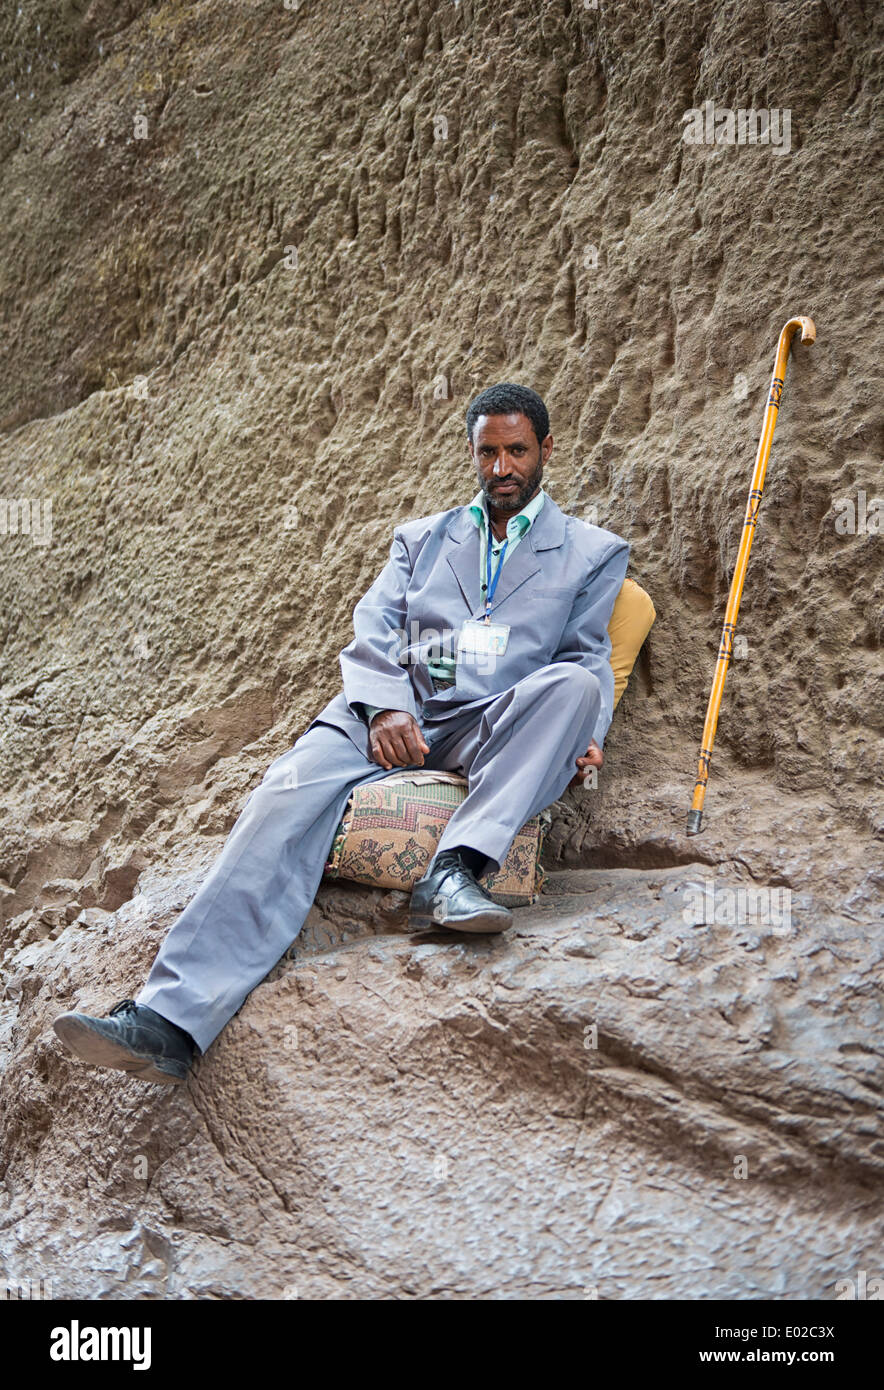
point(491, 584)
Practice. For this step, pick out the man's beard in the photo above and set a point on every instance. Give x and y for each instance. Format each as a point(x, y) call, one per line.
point(515, 501)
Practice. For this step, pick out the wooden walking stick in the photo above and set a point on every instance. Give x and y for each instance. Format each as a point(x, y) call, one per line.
point(725, 650)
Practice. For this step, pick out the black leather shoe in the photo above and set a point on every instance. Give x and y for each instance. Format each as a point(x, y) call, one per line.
point(132, 1038)
point(449, 896)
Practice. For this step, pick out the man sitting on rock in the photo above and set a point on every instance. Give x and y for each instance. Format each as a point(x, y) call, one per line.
point(522, 595)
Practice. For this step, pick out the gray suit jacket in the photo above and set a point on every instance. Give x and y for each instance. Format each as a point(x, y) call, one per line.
point(556, 592)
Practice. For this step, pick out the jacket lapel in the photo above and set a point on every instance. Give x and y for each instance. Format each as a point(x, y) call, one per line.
point(547, 532)
point(520, 566)
point(463, 557)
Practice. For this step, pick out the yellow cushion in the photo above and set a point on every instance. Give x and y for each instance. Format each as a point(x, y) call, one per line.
point(631, 621)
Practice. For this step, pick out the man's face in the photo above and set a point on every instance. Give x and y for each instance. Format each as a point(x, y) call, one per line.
point(509, 461)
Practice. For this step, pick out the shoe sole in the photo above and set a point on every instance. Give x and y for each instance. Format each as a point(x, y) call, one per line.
point(93, 1047)
point(484, 923)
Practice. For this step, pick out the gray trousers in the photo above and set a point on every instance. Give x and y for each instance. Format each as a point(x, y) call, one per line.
point(517, 753)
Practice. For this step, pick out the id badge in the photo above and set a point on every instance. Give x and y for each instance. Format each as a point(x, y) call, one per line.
point(481, 641)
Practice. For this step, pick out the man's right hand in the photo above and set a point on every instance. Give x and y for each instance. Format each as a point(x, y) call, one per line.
point(396, 739)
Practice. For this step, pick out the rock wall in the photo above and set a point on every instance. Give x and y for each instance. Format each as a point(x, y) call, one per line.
point(254, 263)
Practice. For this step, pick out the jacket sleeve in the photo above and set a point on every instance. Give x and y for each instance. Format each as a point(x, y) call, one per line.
point(585, 639)
point(370, 667)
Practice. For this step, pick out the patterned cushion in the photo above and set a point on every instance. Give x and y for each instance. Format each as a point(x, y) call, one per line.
point(391, 828)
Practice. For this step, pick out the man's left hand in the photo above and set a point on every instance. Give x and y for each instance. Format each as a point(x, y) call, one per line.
point(594, 757)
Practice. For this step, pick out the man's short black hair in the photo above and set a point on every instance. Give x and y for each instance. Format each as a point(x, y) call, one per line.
point(507, 399)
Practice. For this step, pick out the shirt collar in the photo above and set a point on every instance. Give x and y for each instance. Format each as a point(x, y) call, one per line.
point(518, 524)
